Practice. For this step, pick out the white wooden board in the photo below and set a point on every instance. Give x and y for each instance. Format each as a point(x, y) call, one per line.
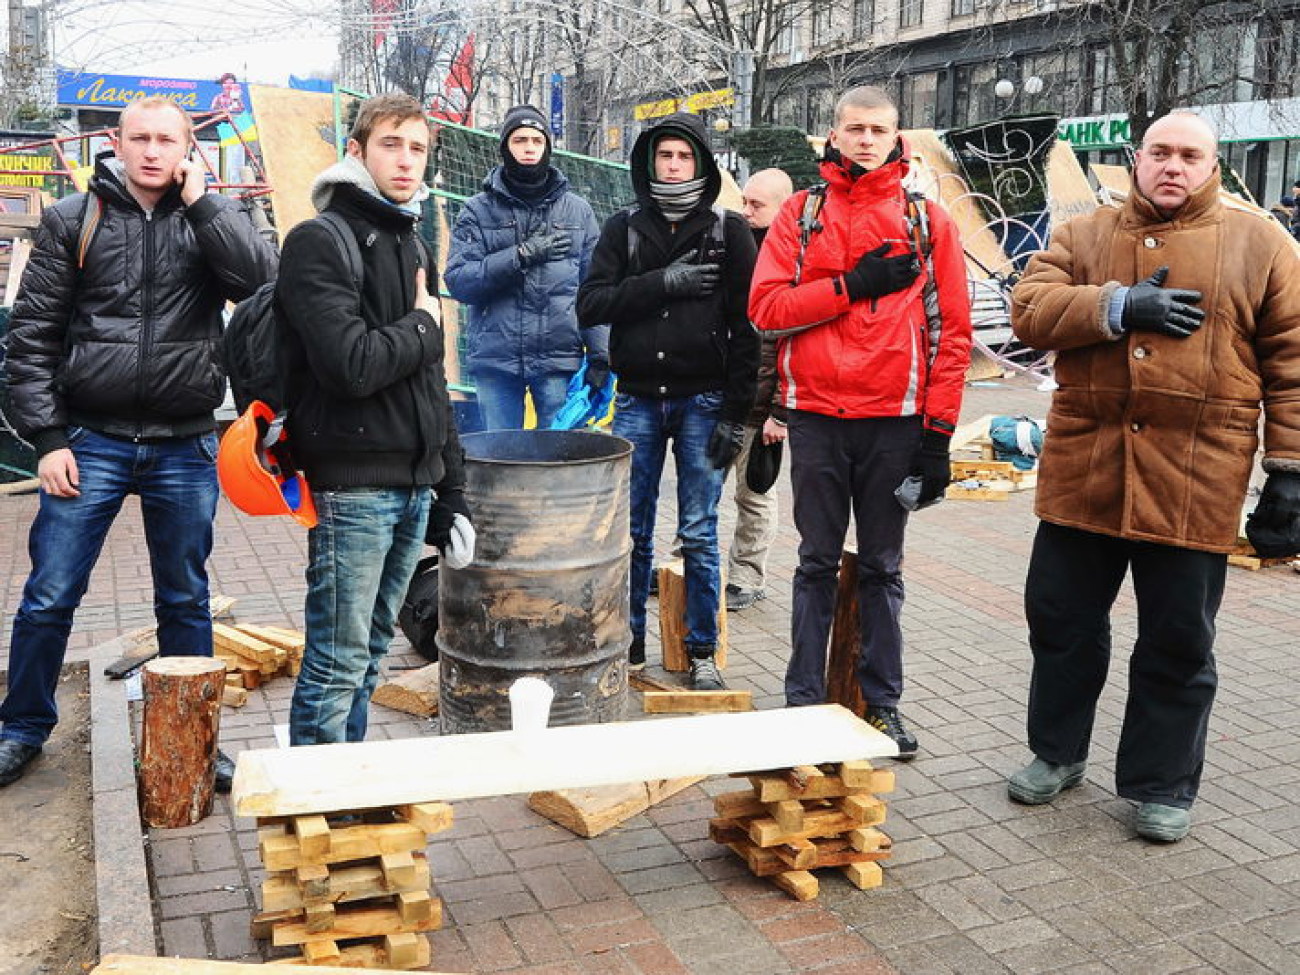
point(327, 778)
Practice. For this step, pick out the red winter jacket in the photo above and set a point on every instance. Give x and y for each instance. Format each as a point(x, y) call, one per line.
point(867, 358)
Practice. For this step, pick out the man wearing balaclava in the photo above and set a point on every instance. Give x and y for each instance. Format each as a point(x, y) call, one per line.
point(671, 276)
point(518, 251)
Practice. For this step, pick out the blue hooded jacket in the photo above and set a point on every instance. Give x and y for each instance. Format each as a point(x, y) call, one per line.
point(522, 321)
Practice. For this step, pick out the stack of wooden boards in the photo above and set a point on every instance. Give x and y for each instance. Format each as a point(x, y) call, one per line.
point(793, 821)
point(253, 654)
point(977, 475)
point(351, 888)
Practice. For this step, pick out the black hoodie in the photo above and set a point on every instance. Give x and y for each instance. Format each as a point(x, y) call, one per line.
point(663, 347)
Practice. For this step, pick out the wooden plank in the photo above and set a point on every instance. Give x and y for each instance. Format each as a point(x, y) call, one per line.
point(985, 491)
point(969, 432)
point(271, 658)
point(321, 953)
point(592, 811)
point(868, 838)
point(414, 906)
point(799, 884)
point(734, 805)
point(766, 831)
point(359, 958)
point(234, 697)
point(349, 843)
point(865, 810)
point(367, 775)
point(644, 682)
point(797, 855)
point(774, 788)
point(864, 876)
point(672, 619)
point(431, 817)
point(353, 921)
point(697, 702)
point(287, 891)
point(313, 834)
point(788, 813)
point(411, 692)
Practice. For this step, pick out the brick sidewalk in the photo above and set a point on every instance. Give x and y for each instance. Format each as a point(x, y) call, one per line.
point(977, 884)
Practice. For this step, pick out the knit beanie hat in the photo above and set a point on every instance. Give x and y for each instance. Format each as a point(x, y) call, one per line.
point(531, 176)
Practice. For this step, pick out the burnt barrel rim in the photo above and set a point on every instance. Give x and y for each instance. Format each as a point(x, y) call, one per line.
point(544, 448)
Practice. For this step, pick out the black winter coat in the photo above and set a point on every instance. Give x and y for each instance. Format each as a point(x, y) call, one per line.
point(663, 347)
point(366, 392)
point(129, 344)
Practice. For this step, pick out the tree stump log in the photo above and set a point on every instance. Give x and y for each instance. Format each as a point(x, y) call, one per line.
point(182, 714)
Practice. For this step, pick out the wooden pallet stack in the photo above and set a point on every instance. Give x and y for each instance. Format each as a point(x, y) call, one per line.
point(793, 821)
point(989, 480)
point(254, 654)
point(351, 888)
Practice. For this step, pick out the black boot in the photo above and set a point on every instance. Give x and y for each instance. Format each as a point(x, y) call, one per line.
point(704, 669)
point(224, 772)
point(15, 756)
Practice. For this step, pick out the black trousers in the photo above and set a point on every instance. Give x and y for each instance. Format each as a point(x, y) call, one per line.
point(1074, 577)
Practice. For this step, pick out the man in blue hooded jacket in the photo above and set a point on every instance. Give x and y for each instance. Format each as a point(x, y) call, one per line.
point(518, 252)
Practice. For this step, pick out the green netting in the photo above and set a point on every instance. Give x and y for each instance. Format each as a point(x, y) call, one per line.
point(462, 157)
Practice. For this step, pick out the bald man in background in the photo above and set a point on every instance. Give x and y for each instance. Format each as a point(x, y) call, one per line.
point(756, 513)
point(1174, 318)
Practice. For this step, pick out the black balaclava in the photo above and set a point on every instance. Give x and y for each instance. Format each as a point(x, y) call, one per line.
point(527, 181)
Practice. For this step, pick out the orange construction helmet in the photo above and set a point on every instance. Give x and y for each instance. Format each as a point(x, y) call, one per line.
point(256, 471)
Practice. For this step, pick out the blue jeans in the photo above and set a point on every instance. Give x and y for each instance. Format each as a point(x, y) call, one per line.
point(687, 421)
point(361, 556)
point(177, 484)
point(501, 398)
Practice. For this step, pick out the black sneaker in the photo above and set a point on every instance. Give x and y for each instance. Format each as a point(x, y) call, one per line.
point(738, 599)
point(636, 654)
point(705, 675)
point(890, 723)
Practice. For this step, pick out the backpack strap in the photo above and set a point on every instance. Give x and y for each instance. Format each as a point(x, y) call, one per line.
point(918, 223)
point(347, 242)
point(809, 223)
point(90, 218)
point(633, 235)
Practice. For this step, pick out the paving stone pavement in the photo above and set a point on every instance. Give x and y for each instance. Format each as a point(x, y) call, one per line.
point(976, 884)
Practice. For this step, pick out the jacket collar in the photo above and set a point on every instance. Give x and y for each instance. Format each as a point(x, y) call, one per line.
point(884, 181)
point(358, 205)
point(1203, 204)
point(557, 185)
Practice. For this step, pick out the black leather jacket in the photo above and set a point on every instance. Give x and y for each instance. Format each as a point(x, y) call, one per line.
point(128, 344)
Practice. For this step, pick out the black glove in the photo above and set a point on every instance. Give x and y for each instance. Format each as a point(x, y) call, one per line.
point(543, 247)
point(725, 442)
point(1274, 526)
point(685, 280)
point(446, 506)
point(1151, 307)
point(597, 375)
point(875, 275)
point(932, 465)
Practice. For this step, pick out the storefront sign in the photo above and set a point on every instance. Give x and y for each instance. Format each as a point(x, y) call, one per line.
point(116, 91)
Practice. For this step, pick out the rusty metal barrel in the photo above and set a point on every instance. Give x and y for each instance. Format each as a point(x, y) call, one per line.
point(547, 592)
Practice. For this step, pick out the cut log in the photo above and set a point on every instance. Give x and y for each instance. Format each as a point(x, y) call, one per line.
point(842, 668)
point(182, 714)
point(697, 702)
point(672, 619)
point(590, 812)
point(411, 691)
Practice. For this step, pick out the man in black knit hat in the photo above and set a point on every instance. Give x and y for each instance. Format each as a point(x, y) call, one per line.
point(518, 252)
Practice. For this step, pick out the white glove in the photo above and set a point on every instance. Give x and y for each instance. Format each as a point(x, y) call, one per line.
point(460, 550)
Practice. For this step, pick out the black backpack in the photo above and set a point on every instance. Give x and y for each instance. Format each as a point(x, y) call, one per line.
point(250, 345)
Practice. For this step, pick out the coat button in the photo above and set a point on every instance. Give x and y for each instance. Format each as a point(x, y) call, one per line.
point(663, 390)
point(1139, 353)
point(1135, 427)
point(664, 314)
point(659, 355)
point(1151, 243)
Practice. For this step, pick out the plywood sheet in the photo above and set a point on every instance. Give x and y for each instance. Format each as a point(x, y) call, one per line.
point(365, 775)
point(1069, 194)
point(295, 130)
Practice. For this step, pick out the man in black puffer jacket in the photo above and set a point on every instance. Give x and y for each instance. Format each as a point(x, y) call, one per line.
point(114, 371)
point(671, 276)
point(369, 415)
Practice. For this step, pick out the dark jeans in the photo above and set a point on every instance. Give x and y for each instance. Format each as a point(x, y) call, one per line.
point(836, 465)
point(1074, 577)
point(177, 484)
point(501, 398)
point(686, 422)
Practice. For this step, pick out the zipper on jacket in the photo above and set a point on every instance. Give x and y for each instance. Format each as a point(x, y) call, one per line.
point(146, 313)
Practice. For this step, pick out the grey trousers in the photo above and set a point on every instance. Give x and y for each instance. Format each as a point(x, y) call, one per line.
point(837, 466)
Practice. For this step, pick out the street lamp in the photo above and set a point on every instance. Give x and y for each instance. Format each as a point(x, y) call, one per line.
point(1006, 89)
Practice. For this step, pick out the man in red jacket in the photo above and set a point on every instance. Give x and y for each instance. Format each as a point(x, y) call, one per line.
point(871, 382)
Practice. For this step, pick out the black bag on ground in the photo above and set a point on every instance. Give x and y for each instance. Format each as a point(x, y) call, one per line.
point(418, 616)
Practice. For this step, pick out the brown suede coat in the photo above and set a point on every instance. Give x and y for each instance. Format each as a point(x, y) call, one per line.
point(1151, 437)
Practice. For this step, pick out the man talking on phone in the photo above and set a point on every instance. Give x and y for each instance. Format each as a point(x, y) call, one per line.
point(114, 372)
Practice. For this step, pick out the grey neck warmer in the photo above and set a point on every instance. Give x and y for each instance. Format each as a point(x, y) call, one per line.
point(676, 200)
